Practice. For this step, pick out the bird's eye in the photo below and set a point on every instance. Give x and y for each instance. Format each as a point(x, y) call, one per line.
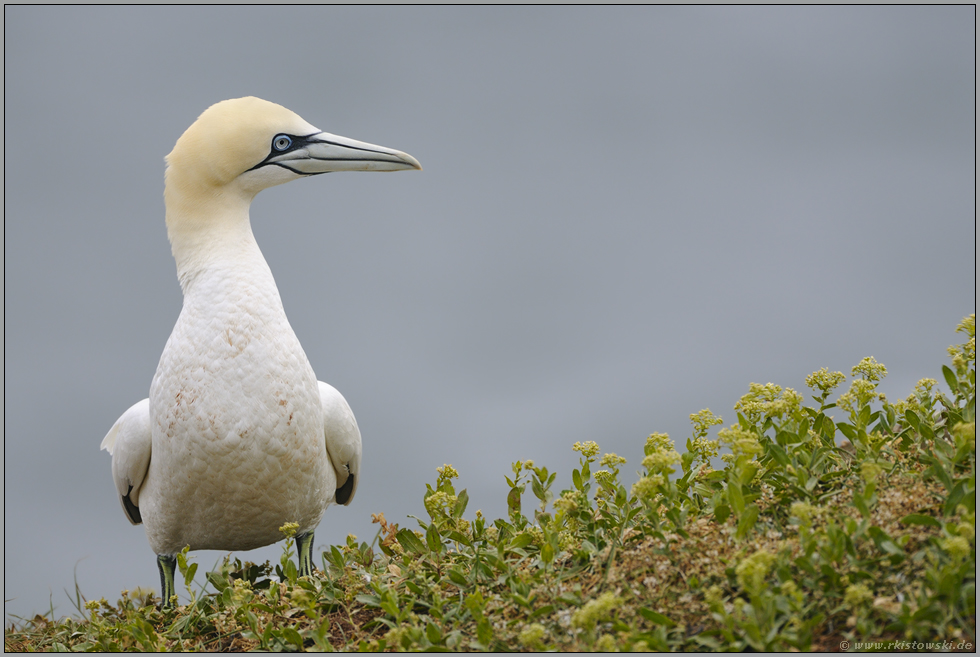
point(282, 142)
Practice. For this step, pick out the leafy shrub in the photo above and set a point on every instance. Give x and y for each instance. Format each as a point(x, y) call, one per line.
point(814, 531)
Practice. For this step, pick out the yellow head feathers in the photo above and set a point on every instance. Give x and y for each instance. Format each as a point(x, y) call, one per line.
point(231, 137)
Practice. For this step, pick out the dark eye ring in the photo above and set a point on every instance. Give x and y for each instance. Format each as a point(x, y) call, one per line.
point(281, 142)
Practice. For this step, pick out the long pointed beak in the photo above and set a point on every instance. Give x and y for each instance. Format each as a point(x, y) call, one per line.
point(323, 152)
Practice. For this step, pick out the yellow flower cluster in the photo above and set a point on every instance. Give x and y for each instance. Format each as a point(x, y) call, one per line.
point(646, 488)
point(611, 460)
point(957, 547)
point(824, 381)
point(440, 502)
point(703, 420)
point(769, 400)
point(658, 441)
point(447, 472)
point(703, 448)
point(968, 325)
point(790, 590)
point(241, 592)
point(752, 571)
point(588, 449)
point(861, 392)
point(289, 529)
point(714, 595)
point(804, 512)
point(661, 461)
point(857, 594)
point(741, 442)
point(531, 635)
point(965, 354)
point(604, 477)
point(595, 611)
point(870, 369)
point(965, 433)
point(870, 470)
point(567, 503)
point(606, 643)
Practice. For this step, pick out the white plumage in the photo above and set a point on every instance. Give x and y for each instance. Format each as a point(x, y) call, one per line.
point(237, 437)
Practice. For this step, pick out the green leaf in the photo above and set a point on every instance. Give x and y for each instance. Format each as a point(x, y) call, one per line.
point(484, 632)
point(461, 501)
point(828, 427)
point(410, 541)
point(861, 505)
point(884, 541)
point(919, 519)
point(538, 490)
point(577, 479)
point(784, 437)
point(735, 497)
point(748, 474)
point(189, 575)
point(722, 511)
point(522, 540)
point(778, 454)
point(336, 558)
point(804, 564)
point(847, 430)
point(433, 539)
point(514, 499)
point(746, 521)
point(547, 553)
point(955, 496)
point(292, 636)
point(654, 617)
point(457, 577)
point(864, 417)
point(432, 633)
point(951, 381)
point(940, 473)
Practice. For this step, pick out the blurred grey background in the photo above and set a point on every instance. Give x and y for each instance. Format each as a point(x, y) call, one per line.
point(626, 215)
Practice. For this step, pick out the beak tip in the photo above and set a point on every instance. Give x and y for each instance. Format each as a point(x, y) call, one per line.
point(412, 161)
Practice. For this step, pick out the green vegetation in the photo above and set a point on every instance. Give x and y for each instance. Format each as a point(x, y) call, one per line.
point(815, 531)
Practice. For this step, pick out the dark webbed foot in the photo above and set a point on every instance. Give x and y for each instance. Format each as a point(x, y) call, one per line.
point(167, 565)
point(304, 548)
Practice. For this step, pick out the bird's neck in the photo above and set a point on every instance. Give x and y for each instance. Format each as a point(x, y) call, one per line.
point(210, 233)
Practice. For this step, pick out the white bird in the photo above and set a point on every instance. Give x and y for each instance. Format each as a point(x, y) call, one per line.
point(237, 437)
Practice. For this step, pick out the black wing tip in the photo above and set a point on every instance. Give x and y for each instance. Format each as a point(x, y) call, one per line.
point(132, 511)
point(345, 491)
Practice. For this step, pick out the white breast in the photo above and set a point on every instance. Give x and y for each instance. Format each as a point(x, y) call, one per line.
point(237, 426)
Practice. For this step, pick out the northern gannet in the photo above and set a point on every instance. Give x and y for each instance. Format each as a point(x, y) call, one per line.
point(237, 437)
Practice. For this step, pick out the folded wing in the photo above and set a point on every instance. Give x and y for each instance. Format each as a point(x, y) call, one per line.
point(343, 441)
point(129, 442)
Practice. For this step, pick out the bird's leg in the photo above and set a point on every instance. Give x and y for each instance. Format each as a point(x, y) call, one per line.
point(167, 564)
point(304, 549)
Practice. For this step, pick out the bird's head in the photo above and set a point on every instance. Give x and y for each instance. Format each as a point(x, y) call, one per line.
point(249, 144)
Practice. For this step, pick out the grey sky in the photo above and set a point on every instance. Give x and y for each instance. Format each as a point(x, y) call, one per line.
point(625, 215)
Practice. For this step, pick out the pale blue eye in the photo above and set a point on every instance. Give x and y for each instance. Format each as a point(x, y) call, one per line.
point(282, 142)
